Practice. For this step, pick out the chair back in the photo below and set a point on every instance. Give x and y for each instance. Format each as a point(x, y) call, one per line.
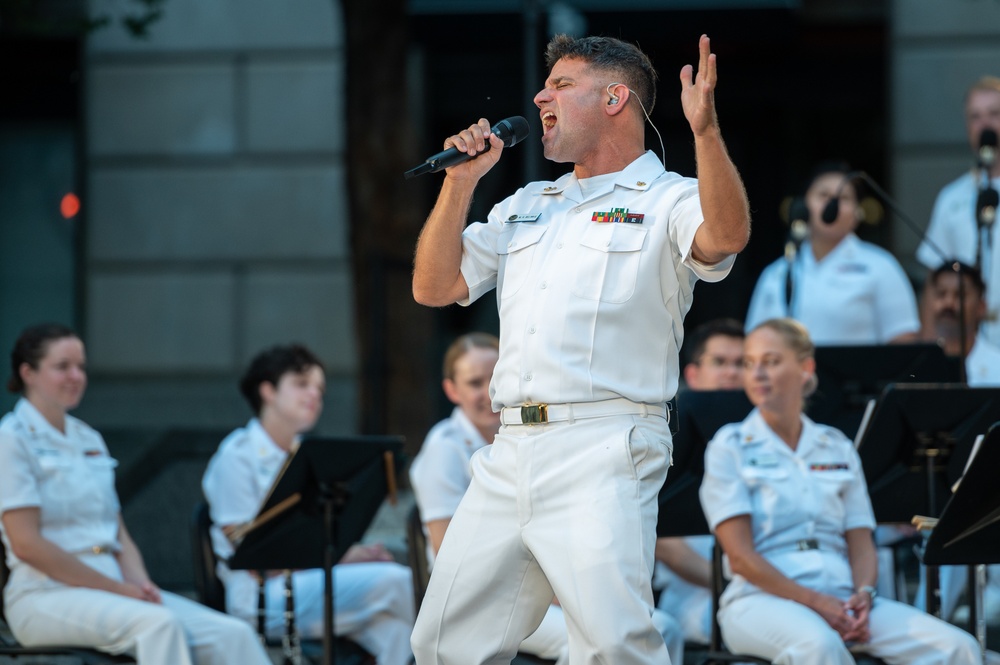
point(416, 555)
point(210, 590)
point(4, 574)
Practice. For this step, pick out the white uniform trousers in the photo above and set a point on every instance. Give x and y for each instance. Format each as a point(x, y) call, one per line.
point(178, 632)
point(549, 641)
point(564, 509)
point(373, 605)
point(788, 633)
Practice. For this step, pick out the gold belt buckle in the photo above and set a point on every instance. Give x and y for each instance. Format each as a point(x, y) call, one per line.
point(534, 414)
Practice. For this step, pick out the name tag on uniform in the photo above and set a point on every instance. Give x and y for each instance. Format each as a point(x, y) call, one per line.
point(763, 461)
point(515, 219)
point(858, 268)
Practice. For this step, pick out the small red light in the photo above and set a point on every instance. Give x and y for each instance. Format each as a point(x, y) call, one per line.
point(70, 205)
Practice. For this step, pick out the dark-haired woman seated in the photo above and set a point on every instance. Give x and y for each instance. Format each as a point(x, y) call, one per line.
point(373, 601)
point(76, 576)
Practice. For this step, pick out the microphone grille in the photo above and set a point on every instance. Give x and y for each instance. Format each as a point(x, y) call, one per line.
point(988, 137)
point(830, 211)
point(511, 130)
point(987, 147)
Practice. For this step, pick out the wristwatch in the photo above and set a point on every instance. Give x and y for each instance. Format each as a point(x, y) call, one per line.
point(870, 590)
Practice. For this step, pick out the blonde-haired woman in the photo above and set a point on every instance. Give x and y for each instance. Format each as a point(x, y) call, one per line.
point(787, 500)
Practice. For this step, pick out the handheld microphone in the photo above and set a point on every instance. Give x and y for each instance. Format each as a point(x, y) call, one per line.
point(832, 207)
point(987, 148)
point(511, 131)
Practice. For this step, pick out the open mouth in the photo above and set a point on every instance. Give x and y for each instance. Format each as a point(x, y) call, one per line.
point(548, 121)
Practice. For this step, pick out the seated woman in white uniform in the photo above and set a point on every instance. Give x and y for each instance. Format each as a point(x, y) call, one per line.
point(788, 503)
point(373, 596)
point(844, 290)
point(76, 576)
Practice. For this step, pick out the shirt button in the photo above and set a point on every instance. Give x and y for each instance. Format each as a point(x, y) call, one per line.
point(577, 209)
point(607, 243)
point(558, 245)
point(527, 377)
point(531, 330)
point(545, 285)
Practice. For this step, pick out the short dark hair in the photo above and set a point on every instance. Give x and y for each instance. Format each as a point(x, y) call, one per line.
point(623, 60)
point(270, 365)
point(31, 346)
point(953, 266)
point(829, 166)
point(708, 330)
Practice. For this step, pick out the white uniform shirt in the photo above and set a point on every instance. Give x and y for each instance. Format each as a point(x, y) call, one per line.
point(590, 310)
point(70, 477)
point(858, 294)
point(440, 472)
point(953, 231)
point(235, 484)
point(814, 492)
point(982, 365)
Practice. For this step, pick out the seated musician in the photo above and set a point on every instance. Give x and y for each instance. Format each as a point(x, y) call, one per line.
point(787, 501)
point(373, 597)
point(76, 576)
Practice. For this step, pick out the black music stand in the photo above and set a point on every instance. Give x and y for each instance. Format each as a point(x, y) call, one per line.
point(319, 505)
point(968, 531)
point(850, 376)
point(916, 444)
point(700, 414)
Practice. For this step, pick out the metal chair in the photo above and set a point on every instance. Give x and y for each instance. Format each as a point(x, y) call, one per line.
point(9, 647)
point(717, 652)
point(416, 555)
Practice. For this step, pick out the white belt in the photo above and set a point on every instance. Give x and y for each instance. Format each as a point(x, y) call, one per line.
point(538, 414)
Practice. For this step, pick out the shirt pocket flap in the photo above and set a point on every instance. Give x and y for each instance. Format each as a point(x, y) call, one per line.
point(613, 238)
point(519, 237)
point(764, 473)
point(102, 461)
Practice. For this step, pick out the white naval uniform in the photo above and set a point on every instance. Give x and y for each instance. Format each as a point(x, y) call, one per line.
point(953, 231)
point(816, 494)
point(440, 476)
point(70, 479)
point(589, 311)
point(858, 294)
point(982, 365)
point(373, 602)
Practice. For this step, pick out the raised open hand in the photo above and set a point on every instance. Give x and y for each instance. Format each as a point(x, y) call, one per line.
point(698, 92)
